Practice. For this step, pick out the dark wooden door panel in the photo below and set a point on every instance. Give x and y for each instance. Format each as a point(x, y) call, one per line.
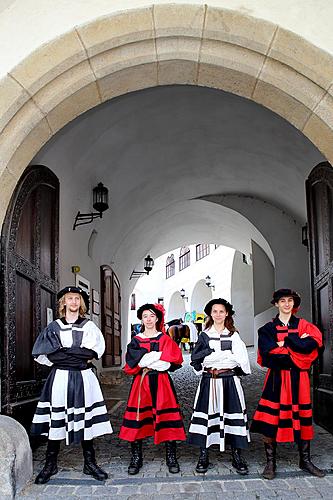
point(111, 317)
point(319, 191)
point(29, 282)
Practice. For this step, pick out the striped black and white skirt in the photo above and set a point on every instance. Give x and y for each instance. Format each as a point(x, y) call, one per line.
point(219, 416)
point(71, 407)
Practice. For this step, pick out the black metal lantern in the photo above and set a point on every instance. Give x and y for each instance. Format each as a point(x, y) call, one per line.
point(148, 265)
point(209, 282)
point(182, 294)
point(100, 203)
point(100, 198)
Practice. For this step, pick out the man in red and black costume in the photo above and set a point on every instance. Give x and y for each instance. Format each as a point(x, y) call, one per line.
point(152, 407)
point(287, 346)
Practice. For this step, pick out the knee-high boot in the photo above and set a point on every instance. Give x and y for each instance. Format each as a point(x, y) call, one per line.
point(90, 466)
point(269, 471)
point(171, 457)
point(136, 458)
point(50, 468)
point(305, 460)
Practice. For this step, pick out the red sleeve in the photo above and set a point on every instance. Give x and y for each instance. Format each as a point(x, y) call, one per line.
point(314, 332)
point(170, 351)
point(132, 371)
point(301, 360)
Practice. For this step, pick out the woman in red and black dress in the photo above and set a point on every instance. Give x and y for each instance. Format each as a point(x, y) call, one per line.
point(152, 407)
point(287, 346)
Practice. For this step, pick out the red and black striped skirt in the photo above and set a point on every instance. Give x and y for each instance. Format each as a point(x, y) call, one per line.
point(284, 411)
point(153, 410)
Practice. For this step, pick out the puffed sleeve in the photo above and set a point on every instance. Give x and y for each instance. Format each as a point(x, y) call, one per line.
point(200, 351)
point(239, 353)
point(93, 339)
point(47, 342)
point(134, 354)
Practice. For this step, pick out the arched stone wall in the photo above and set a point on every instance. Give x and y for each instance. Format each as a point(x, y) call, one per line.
point(160, 45)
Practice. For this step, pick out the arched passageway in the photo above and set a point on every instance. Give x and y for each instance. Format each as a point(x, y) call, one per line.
point(157, 168)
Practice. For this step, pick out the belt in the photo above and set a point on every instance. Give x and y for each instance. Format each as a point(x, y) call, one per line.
point(215, 372)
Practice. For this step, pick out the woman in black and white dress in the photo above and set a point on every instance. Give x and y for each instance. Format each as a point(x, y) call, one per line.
point(219, 416)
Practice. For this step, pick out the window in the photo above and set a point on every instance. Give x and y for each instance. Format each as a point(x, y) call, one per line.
point(184, 258)
point(202, 250)
point(133, 304)
point(170, 267)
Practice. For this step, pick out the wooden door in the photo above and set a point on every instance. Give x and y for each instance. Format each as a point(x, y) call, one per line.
point(319, 190)
point(111, 316)
point(29, 281)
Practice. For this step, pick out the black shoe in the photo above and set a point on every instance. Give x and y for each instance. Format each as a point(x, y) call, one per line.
point(203, 462)
point(90, 466)
point(92, 469)
point(171, 457)
point(136, 458)
point(238, 462)
point(46, 473)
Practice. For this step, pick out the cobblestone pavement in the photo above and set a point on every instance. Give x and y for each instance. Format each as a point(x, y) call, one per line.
point(154, 480)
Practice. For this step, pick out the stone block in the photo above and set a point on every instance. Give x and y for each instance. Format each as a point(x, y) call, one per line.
point(226, 79)
point(128, 80)
point(303, 56)
point(182, 20)
point(15, 457)
point(86, 98)
point(281, 103)
point(125, 56)
point(49, 61)
point(238, 29)
point(12, 98)
point(116, 30)
point(321, 135)
point(24, 121)
point(177, 72)
point(63, 86)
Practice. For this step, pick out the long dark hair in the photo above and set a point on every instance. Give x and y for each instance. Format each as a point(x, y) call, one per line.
point(228, 323)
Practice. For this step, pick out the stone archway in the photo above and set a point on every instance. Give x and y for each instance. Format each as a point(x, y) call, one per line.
point(161, 45)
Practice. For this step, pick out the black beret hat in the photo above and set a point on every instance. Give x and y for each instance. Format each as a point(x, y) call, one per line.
point(149, 307)
point(223, 302)
point(74, 289)
point(286, 292)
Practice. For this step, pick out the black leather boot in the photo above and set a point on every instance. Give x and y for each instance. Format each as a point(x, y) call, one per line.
point(171, 457)
point(305, 460)
point(203, 462)
point(269, 471)
point(50, 468)
point(90, 467)
point(238, 462)
point(136, 458)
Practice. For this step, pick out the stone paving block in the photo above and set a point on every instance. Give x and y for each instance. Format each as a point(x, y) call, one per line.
point(212, 486)
point(255, 485)
point(233, 486)
point(247, 496)
point(105, 490)
point(191, 487)
point(66, 491)
point(281, 484)
point(51, 490)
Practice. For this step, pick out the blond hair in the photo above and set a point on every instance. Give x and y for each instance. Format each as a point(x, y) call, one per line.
point(62, 307)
